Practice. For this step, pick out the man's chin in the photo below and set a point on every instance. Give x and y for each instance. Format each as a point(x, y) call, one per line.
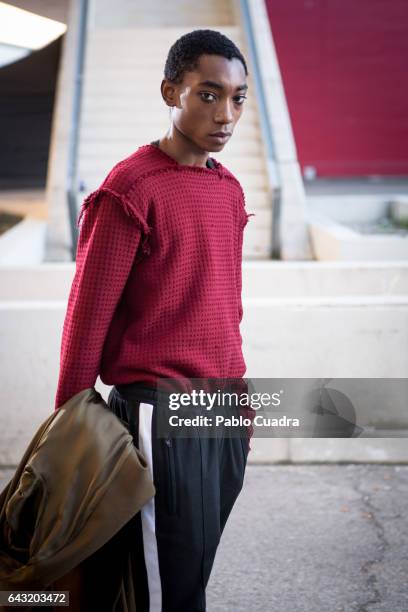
point(215, 147)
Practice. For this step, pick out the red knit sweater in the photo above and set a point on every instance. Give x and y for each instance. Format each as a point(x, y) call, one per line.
point(157, 287)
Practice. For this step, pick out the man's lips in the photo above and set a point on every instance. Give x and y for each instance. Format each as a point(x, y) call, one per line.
point(220, 135)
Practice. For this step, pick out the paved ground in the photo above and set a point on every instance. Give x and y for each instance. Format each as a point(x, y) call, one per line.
point(314, 538)
point(317, 538)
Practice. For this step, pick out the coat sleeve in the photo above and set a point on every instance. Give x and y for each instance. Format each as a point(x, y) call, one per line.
point(109, 238)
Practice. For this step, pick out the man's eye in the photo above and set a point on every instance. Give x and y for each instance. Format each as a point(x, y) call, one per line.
point(240, 99)
point(206, 93)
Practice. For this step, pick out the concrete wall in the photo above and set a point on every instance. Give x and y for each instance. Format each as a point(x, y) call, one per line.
point(45, 8)
point(311, 320)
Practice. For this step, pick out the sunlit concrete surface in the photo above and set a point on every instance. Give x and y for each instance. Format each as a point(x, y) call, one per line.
point(306, 320)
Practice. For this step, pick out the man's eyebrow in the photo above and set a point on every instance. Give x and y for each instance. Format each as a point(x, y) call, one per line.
point(219, 86)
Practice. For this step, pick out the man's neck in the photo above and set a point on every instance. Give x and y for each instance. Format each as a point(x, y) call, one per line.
point(182, 150)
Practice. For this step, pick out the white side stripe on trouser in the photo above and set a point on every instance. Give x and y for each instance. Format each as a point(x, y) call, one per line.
point(148, 513)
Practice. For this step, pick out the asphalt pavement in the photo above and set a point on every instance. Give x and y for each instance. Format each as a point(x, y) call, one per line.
point(313, 538)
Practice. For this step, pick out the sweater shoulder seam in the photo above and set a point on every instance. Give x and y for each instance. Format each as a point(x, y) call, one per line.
point(128, 209)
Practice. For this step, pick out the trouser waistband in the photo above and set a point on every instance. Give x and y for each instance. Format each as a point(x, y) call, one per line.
point(138, 390)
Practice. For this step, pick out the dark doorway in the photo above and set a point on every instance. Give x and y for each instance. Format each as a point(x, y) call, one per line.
point(27, 91)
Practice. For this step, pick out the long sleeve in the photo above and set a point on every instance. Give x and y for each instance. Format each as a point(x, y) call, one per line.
point(239, 264)
point(107, 245)
point(239, 275)
point(246, 411)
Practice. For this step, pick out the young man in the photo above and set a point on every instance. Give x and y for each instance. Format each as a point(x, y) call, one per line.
point(157, 294)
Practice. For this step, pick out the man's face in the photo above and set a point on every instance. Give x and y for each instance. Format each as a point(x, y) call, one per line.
point(210, 99)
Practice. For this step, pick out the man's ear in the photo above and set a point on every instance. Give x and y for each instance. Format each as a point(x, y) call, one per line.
point(169, 92)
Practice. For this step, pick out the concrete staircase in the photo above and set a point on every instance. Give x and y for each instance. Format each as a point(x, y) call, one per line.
point(122, 108)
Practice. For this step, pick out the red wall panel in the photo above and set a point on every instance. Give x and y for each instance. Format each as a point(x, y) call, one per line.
point(344, 66)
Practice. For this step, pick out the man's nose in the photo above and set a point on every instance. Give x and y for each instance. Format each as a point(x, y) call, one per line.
point(224, 114)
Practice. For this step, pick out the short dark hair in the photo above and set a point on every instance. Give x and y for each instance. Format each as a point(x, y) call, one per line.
point(185, 52)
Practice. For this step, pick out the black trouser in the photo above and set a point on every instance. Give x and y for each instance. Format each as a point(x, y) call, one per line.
point(174, 537)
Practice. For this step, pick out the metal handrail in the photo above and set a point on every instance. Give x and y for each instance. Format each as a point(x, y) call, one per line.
point(271, 158)
point(71, 192)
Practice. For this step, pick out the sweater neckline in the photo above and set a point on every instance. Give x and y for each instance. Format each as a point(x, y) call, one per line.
point(216, 167)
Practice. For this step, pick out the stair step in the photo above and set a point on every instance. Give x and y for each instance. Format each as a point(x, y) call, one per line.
point(156, 36)
point(123, 69)
point(106, 110)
